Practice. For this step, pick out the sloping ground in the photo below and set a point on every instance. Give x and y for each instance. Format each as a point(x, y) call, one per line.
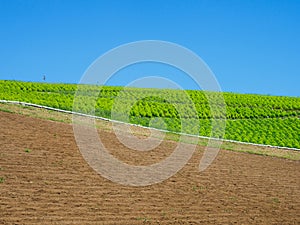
point(44, 180)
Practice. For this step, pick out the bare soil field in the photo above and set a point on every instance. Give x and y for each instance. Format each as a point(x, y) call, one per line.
point(45, 180)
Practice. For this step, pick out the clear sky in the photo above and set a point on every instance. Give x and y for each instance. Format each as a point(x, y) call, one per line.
point(251, 46)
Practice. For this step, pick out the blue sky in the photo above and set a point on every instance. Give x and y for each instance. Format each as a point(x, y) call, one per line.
point(251, 46)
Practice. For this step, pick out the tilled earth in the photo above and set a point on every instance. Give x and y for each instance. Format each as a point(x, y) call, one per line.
point(45, 180)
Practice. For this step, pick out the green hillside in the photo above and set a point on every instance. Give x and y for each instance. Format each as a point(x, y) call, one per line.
point(252, 118)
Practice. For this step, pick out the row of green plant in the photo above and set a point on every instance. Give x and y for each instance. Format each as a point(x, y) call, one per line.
point(253, 118)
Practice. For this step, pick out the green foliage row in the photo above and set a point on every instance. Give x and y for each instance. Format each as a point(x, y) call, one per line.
point(253, 118)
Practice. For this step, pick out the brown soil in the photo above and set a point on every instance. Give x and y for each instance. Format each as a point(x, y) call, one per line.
point(45, 180)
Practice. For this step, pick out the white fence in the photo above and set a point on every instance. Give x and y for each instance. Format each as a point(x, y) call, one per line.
point(114, 121)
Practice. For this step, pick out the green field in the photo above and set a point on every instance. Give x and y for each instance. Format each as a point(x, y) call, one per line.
point(252, 118)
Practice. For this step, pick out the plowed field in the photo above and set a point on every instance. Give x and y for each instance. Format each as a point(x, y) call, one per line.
point(45, 180)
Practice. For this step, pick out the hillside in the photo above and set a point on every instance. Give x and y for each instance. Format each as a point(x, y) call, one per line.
point(271, 120)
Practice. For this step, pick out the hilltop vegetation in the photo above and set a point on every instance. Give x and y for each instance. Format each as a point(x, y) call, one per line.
point(249, 118)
